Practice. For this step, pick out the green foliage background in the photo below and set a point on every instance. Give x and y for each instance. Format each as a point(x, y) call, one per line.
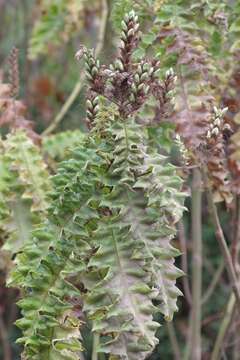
point(48, 39)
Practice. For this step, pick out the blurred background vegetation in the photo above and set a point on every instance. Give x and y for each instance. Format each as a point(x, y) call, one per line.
point(48, 34)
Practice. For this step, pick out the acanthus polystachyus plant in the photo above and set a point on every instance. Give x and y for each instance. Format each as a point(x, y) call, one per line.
point(104, 252)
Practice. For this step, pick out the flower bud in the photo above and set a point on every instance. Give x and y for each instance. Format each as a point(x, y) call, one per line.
point(95, 101)
point(146, 89)
point(89, 104)
point(130, 32)
point(119, 65)
point(136, 78)
point(132, 97)
point(144, 76)
point(124, 25)
point(215, 131)
point(94, 71)
point(134, 88)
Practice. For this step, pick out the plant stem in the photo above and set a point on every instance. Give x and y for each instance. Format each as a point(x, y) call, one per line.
point(95, 345)
point(174, 341)
point(81, 357)
point(236, 239)
point(224, 327)
point(4, 339)
point(222, 242)
point(214, 283)
point(78, 86)
point(184, 262)
point(196, 265)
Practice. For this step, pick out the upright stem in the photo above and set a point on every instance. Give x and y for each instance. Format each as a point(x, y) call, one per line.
point(222, 242)
point(174, 341)
point(184, 262)
point(236, 239)
point(223, 328)
point(4, 339)
point(196, 265)
point(95, 345)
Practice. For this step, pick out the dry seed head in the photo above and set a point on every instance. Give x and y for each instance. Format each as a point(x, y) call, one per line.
point(14, 72)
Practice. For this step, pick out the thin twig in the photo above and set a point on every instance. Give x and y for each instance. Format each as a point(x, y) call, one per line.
point(222, 241)
point(174, 341)
point(236, 240)
point(184, 262)
point(4, 339)
point(75, 92)
point(223, 328)
point(214, 283)
point(197, 265)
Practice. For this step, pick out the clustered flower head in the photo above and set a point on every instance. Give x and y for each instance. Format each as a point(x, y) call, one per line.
point(127, 83)
point(217, 125)
point(182, 149)
point(14, 72)
point(164, 93)
point(130, 37)
point(92, 103)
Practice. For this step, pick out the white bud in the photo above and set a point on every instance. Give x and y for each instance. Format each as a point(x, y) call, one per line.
point(132, 14)
point(169, 72)
point(119, 65)
point(134, 88)
point(215, 109)
point(132, 97)
point(122, 44)
point(79, 54)
point(136, 27)
point(139, 69)
point(95, 100)
point(215, 131)
point(89, 114)
point(224, 111)
point(94, 70)
point(144, 76)
point(227, 127)
point(136, 78)
point(151, 71)
point(123, 35)
point(89, 104)
point(126, 17)
point(130, 32)
point(146, 89)
point(217, 122)
point(208, 135)
point(124, 25)
point(96, 109)
point(146, 66)
point(141, 86)
point(136, 18)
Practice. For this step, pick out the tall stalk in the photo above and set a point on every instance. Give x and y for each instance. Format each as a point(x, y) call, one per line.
point(95, 345)
point(196, 265)
point(223, 328)
point(222, 242)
